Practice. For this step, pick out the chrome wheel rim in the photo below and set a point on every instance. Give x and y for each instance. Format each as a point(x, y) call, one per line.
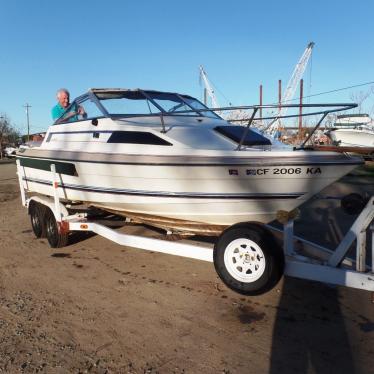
point(244, 260)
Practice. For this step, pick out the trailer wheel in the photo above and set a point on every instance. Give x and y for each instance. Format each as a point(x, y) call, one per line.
point(248, 259)
point(37, 216)
point(55, 238)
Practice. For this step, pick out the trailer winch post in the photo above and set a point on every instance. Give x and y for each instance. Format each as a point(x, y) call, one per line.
point(55, 193)
point(334, 269)
point(20, 181)
point(357, 231)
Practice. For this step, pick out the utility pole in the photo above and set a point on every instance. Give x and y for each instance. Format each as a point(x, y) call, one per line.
point(261, 103)
point(27, 106)
point(205, 96)
point(301, 109)
point(1, 141)
point(280, 102)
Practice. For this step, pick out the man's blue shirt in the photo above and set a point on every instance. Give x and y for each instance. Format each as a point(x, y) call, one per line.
point(58, 111)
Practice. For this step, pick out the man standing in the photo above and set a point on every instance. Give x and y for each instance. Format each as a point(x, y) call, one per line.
point(59, 111)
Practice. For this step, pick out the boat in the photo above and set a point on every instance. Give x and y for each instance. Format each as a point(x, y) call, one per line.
point(352, 130)
point(10, 151)
point(167, 160)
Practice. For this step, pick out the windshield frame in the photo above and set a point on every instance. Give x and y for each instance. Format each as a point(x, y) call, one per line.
point(150, 95)
point(93, 95)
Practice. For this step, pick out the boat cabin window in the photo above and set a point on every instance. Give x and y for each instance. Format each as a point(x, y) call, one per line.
point(91, 109)
point(235, 133)
point(136, 137)
point(172, 103)
point(199, 106)
point(127, 103)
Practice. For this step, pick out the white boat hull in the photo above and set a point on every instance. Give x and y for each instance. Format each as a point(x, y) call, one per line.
point(206, 194)
point(173, 168)
point(353, 137)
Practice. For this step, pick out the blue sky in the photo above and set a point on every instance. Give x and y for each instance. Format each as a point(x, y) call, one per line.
point(48, 44)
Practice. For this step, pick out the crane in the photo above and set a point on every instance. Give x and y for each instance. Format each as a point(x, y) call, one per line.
point(297, 74)
point(291, 86)
point(274, 125)
point(209, 90)
point(208, 87)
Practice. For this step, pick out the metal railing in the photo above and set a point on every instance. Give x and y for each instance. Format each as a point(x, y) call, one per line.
point(322, 110)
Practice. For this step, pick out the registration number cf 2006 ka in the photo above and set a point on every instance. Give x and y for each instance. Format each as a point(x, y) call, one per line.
point(279, 171)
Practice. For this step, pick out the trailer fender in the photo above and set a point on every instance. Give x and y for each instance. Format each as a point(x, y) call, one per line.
point(50, 203)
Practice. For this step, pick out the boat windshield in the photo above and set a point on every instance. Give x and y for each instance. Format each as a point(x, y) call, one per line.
point(129, 103)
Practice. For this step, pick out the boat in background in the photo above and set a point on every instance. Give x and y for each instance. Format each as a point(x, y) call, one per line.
point(10, 151)
point(352, 130)
point(167, 160)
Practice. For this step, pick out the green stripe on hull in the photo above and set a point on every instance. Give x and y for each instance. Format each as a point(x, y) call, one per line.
point(61, 167)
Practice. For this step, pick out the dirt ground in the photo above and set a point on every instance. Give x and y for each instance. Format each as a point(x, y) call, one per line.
point(97, 307)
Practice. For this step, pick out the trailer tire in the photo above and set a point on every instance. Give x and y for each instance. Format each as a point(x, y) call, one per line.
point(55, 238)
point(37, 213)
point(248, 259)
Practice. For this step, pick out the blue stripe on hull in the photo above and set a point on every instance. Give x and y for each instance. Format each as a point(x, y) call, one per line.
point(196, 195)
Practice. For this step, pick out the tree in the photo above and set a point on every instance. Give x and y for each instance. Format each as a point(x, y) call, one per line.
point(8, 133)
point(360, 96)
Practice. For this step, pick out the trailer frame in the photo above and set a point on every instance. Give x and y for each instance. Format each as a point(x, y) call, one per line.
point(302, 258)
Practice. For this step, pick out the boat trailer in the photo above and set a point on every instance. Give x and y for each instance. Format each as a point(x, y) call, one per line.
point(250, 258)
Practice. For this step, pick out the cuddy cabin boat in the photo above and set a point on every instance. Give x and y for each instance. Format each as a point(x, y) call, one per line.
point(167, 160)
point(353, 130)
